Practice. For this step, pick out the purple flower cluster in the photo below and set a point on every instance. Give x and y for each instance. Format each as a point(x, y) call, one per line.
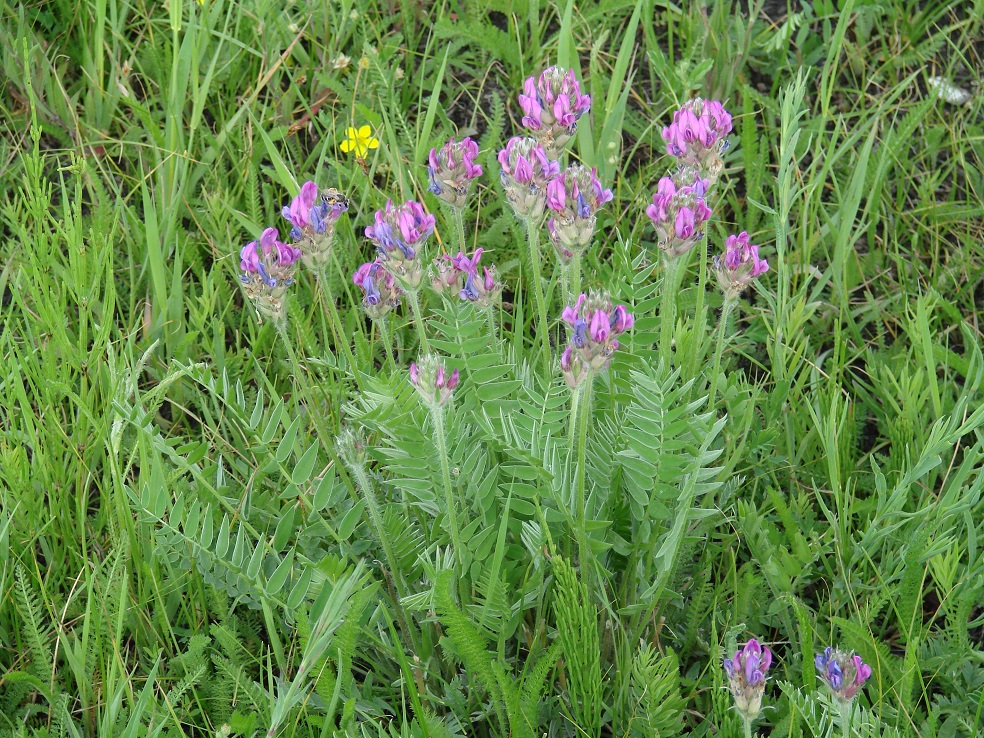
point(552, 104)
point(746, 673)
point(398, 234)
point(433, 384)
point(312, 218)
point(574, 196)
point(843, 673)
point(697, 136)
point(594, 324)
point(740, 265)
point(451, 170)
point(380, 293)
point(268, 270)
point(679, 214)
point(526, 172)
point(461, 273)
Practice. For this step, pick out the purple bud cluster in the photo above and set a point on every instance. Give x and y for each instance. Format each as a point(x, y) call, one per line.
point(526, 172)
point(552, 104)
point(312, 217)
point(697, 136)
point(380, 293)
point(574, 196)
point(433, 383)
point(451, 170)
point(679, 214)
point(739, 266)
point(461, 273)
point(399, 232)
point(844, 673)
point(594, 324)
point(268, 270)
point(746, 673)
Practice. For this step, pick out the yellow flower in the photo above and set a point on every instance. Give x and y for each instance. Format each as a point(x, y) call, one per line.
point(359, 141)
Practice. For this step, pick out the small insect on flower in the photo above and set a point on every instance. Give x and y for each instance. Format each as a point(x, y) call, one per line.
point(359, 140)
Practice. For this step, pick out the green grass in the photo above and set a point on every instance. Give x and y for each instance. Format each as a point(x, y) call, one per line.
point(182, 546)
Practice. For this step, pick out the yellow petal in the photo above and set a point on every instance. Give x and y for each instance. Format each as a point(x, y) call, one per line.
point(361, 151)
point(365, 132)
point(373, 143)
point(352, 133)
point(346, 146)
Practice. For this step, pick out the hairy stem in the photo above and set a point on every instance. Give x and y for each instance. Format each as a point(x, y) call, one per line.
point(533, 246)
point(437, 414)
point(384, 335)
point(722, 336)
point(667, 307)
point(458, 216)
point(584, 418)
point(413, 298)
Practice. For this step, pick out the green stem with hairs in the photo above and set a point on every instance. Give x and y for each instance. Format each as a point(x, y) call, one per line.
point(747, 725)
point(458, 216)
point(413, 297)
point(376, 519)
point(437, 415)
point(722, 331)
point(667, 307)
point(584, 418)
point(384, 335)
point(575, 282)
point(846, 708)
point(533, 246)
point(493, 330)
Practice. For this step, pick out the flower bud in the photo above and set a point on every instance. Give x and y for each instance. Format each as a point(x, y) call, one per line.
point(739, 266)
point(697, 136)
point(746, 678)
point(552, 104)
point(313, 221)
point(594, 323)
point(679, 214)
point(268, 270)
point(451, 170)
point(433, 384)
point(399, 232)
point(575, 196)
point(843, 673)
point(526, 171)
point(379, 289)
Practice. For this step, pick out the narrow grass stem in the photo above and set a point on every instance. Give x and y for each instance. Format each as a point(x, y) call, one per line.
point(341, 340)
point(307, 389)
point(437, 415)
point(536, 269)
point(413, 297)
point(729, 304)
point(667, 307)
point(747, 726)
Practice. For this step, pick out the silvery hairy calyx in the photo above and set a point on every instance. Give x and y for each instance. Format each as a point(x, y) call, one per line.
point(451, 170)
point(380, 293)
point(594, 325)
